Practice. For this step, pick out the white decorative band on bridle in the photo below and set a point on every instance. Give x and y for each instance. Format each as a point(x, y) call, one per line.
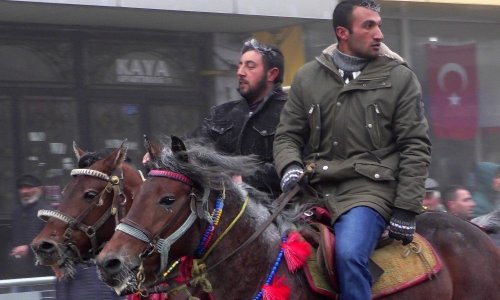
point(89, 172)
point(172, 175)
point(54, 214)
point(161, 245)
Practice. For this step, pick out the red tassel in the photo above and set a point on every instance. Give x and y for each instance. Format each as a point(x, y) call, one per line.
point(296, 251)
point(278, 290)
point(159, 296)
point(185, 266)
point(134, 297)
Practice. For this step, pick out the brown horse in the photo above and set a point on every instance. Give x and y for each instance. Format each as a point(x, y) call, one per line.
point(169, 219)
point(100, 193)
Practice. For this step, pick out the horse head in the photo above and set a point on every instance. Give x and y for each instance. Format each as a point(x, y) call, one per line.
point(179, 200)
point(99, 194)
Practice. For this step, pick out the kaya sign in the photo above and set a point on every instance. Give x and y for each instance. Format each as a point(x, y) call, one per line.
point(144, 70)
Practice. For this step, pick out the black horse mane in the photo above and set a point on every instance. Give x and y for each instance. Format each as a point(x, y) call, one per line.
point(210, 169)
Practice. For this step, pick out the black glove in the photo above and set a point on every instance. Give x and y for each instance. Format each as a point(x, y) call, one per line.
point(291, 177)
point(402, 225)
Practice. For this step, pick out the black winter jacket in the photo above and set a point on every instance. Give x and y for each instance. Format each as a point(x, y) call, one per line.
point(235, 130)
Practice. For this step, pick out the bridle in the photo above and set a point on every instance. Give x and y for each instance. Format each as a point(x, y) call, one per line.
point(198, 208)
point(113, 187)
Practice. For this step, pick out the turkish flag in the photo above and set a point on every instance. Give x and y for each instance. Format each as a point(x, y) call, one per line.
point(453, 90)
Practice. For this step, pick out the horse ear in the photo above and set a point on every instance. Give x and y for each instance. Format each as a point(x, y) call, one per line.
point(121, 153)
point(78, 152)
point(178, 148)
point(153, 149)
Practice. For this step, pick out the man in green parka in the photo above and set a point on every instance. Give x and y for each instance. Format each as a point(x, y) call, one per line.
point(357, 112)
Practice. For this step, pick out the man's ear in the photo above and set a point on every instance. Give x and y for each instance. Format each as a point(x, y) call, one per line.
point(272, 74)
point(342, 33)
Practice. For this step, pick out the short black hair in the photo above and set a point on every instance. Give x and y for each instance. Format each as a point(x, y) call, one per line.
point(450, 193)
point(342, 14)
point(271, 54)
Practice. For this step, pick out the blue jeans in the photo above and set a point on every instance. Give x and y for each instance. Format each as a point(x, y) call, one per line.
point(356, 234)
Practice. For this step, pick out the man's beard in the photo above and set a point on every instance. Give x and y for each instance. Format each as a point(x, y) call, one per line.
point(26, 200)
point(255, 92)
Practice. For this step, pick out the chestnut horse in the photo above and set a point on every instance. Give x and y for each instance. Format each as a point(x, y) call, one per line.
point(167, 224)
point(100, 193)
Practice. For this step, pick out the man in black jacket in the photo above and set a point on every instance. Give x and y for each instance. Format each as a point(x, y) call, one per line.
point(247, 126)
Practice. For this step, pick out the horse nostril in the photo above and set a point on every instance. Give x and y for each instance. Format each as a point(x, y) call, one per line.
point(112, 265)
point(46, 247)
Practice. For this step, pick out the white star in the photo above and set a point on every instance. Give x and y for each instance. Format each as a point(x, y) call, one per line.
point(454, 99)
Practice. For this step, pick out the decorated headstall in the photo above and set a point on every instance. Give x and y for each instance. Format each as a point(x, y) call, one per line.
point(114, 186)
point(199, 209)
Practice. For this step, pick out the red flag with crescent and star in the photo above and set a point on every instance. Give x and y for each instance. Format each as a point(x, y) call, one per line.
point(453, 90)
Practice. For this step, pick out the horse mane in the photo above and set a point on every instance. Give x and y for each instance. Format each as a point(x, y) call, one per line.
point(208, 168)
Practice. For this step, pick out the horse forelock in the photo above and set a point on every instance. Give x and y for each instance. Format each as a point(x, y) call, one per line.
point(88, 159)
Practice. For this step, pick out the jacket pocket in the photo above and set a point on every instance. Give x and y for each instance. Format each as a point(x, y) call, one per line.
point(315, 127)
point(264, 130)
point(221, 128)
point(372, 117)
point(374, 171)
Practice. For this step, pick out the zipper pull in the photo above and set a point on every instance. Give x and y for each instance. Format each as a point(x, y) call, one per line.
point(376, 108)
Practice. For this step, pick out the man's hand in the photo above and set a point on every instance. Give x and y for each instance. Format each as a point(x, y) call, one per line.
point(402, 225)
point(291, 177)
point(19, 251)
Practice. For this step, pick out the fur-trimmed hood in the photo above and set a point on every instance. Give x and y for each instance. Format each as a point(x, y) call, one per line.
point(384, 51)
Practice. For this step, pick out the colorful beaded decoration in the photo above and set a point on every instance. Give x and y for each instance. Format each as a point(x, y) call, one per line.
point(270, 277)
point(209, 232)
point(171, 268)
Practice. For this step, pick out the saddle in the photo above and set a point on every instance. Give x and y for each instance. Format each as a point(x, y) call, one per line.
point(393, 266)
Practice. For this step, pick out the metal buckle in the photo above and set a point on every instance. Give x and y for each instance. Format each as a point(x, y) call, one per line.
point(114, 179)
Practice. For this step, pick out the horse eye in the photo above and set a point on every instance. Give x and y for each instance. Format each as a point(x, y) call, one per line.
point(167, 200)
point(90, 195)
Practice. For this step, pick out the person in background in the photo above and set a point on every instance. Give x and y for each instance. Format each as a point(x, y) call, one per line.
point(487, 188)
point(25, 226)
point(357, 113)
point(458, 201)
point(432, 199)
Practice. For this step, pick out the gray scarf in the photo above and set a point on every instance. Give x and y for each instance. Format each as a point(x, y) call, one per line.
point(347, 62)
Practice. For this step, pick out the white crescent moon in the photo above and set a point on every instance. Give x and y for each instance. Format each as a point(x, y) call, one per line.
point(452, 67)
